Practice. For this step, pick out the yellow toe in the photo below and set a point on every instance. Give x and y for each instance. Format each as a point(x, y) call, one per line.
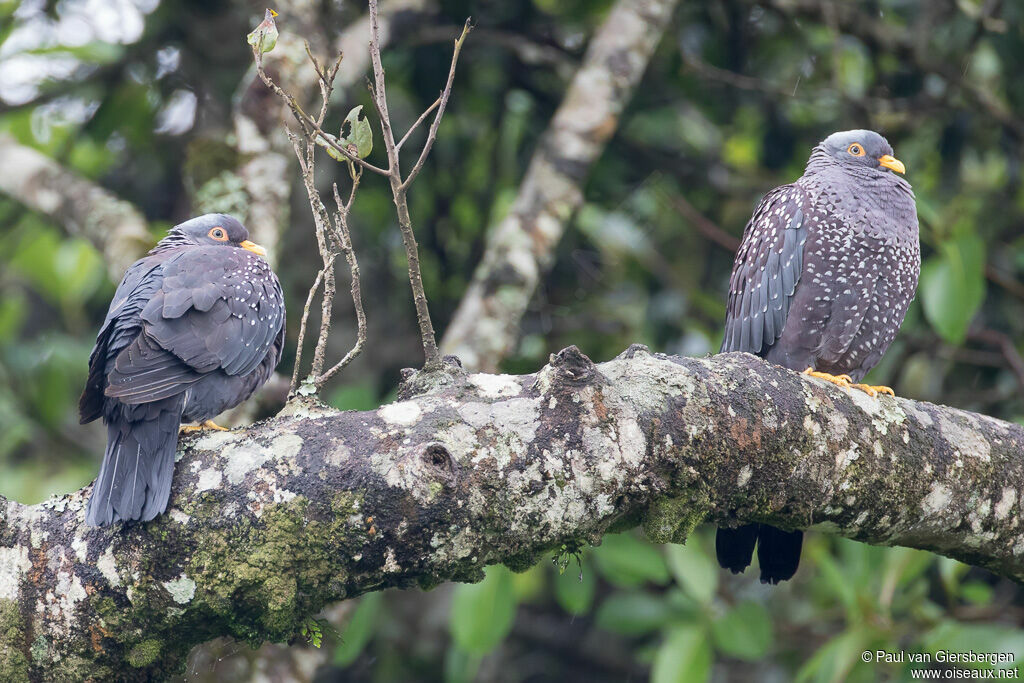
point(841, 380)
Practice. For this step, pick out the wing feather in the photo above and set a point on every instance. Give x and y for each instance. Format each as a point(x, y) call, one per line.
point(766, 271)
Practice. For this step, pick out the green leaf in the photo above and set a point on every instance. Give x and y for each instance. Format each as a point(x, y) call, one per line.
point(684, 656)
point(482, 613)
point(833, 660)
point(633, 613)
point(959, 637)
point(693, 569)
point(264, 36)
point(627, 561)
point(574, 588)
point(976, 592)
point(360, 629)
point(745, 631)
point(953, 286)
point(360, 133)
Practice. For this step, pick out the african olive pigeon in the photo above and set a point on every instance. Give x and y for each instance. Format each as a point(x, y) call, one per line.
point(195, 327)
point(823, 277)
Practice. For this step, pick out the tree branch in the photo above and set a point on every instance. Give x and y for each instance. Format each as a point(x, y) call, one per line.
point(268, 524)
point(520, 249)
point(113, 225)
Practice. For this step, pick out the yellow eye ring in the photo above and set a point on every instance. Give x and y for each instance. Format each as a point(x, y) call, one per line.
point(856, 149)
point(218, 234)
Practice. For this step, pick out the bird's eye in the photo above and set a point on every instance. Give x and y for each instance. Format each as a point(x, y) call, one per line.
point(218, 234)
point(856, 150)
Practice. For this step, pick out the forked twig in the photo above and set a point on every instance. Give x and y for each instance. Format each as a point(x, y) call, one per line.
point(332, 229)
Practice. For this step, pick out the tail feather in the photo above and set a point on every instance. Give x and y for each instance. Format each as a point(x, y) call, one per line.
point(778, 552)
point(135, 478)
point(735, 547)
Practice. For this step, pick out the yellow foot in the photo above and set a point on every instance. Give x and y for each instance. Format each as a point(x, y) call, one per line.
point(873, 390)
point(209, 424)
point(841, 380)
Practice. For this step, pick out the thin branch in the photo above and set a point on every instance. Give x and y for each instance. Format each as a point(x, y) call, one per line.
point(420, 120)
point(341, 228)
point(308, 124)
point(1006, 347)
point(442, 103)
point(302, 331)
point(704, 225)
point(399, 188)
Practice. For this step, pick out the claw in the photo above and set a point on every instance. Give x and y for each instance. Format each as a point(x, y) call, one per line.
point(841, 380)
point(874, 390)
point(209, 424)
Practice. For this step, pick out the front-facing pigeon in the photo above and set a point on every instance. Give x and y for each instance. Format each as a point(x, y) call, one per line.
point(195, 327)
point(822, 279)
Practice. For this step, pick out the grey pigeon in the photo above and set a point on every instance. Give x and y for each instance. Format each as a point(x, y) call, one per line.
point(195, 327)
point(823, 277)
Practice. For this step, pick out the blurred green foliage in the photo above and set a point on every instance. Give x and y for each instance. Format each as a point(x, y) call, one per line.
point(736, 96)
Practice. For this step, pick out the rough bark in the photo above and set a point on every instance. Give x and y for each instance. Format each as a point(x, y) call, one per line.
point(268, 524)
point(115, 226)
point(520, 249)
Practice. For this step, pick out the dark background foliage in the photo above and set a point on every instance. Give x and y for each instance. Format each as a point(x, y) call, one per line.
point(138, 97)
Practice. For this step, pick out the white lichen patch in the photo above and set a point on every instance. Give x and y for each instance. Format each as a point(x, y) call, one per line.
point(67, 593)
point(923, 418)
point(181, 589)
point(390, 565)
point(847, 456)
point(400, 413)
point(81, 548)
point(647, 383)
point(283, 495)
point(1005, 503)
point(179, 516)
point(969, 441)
point(244, 457)
point(496, 386)
point(14, 563)
point(509, 427)
point(937, 500)
point(209, 479)
point(811, 426)
point(108, 568)
point(838, 426)
point(215, 440)
point(744, 478)
point(338, 453)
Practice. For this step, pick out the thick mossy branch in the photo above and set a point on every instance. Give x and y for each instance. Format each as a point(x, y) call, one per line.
point(268, 524)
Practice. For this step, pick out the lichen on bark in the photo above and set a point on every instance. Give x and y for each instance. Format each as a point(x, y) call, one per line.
point(268, 524)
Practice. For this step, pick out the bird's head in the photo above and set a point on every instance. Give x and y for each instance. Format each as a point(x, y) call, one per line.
point(214, 229)
point(858, 150)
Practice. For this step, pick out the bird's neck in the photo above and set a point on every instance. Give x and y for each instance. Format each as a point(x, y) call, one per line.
point(173, 240)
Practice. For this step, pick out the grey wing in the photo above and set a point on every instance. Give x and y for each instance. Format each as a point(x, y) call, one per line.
point(121, 326)
point(766, 271)
point(216, 309)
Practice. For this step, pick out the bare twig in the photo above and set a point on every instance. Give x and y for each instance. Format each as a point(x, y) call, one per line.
point(704, 225)
point(400, 187)
point(332, 237)
point(420, 120)
point(1006, 347)
point(344, 239)
point(442, 103)
point(302, 329)
point(308, 124)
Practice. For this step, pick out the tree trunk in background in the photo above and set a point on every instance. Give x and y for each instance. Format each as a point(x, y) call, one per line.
point(520, 249)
